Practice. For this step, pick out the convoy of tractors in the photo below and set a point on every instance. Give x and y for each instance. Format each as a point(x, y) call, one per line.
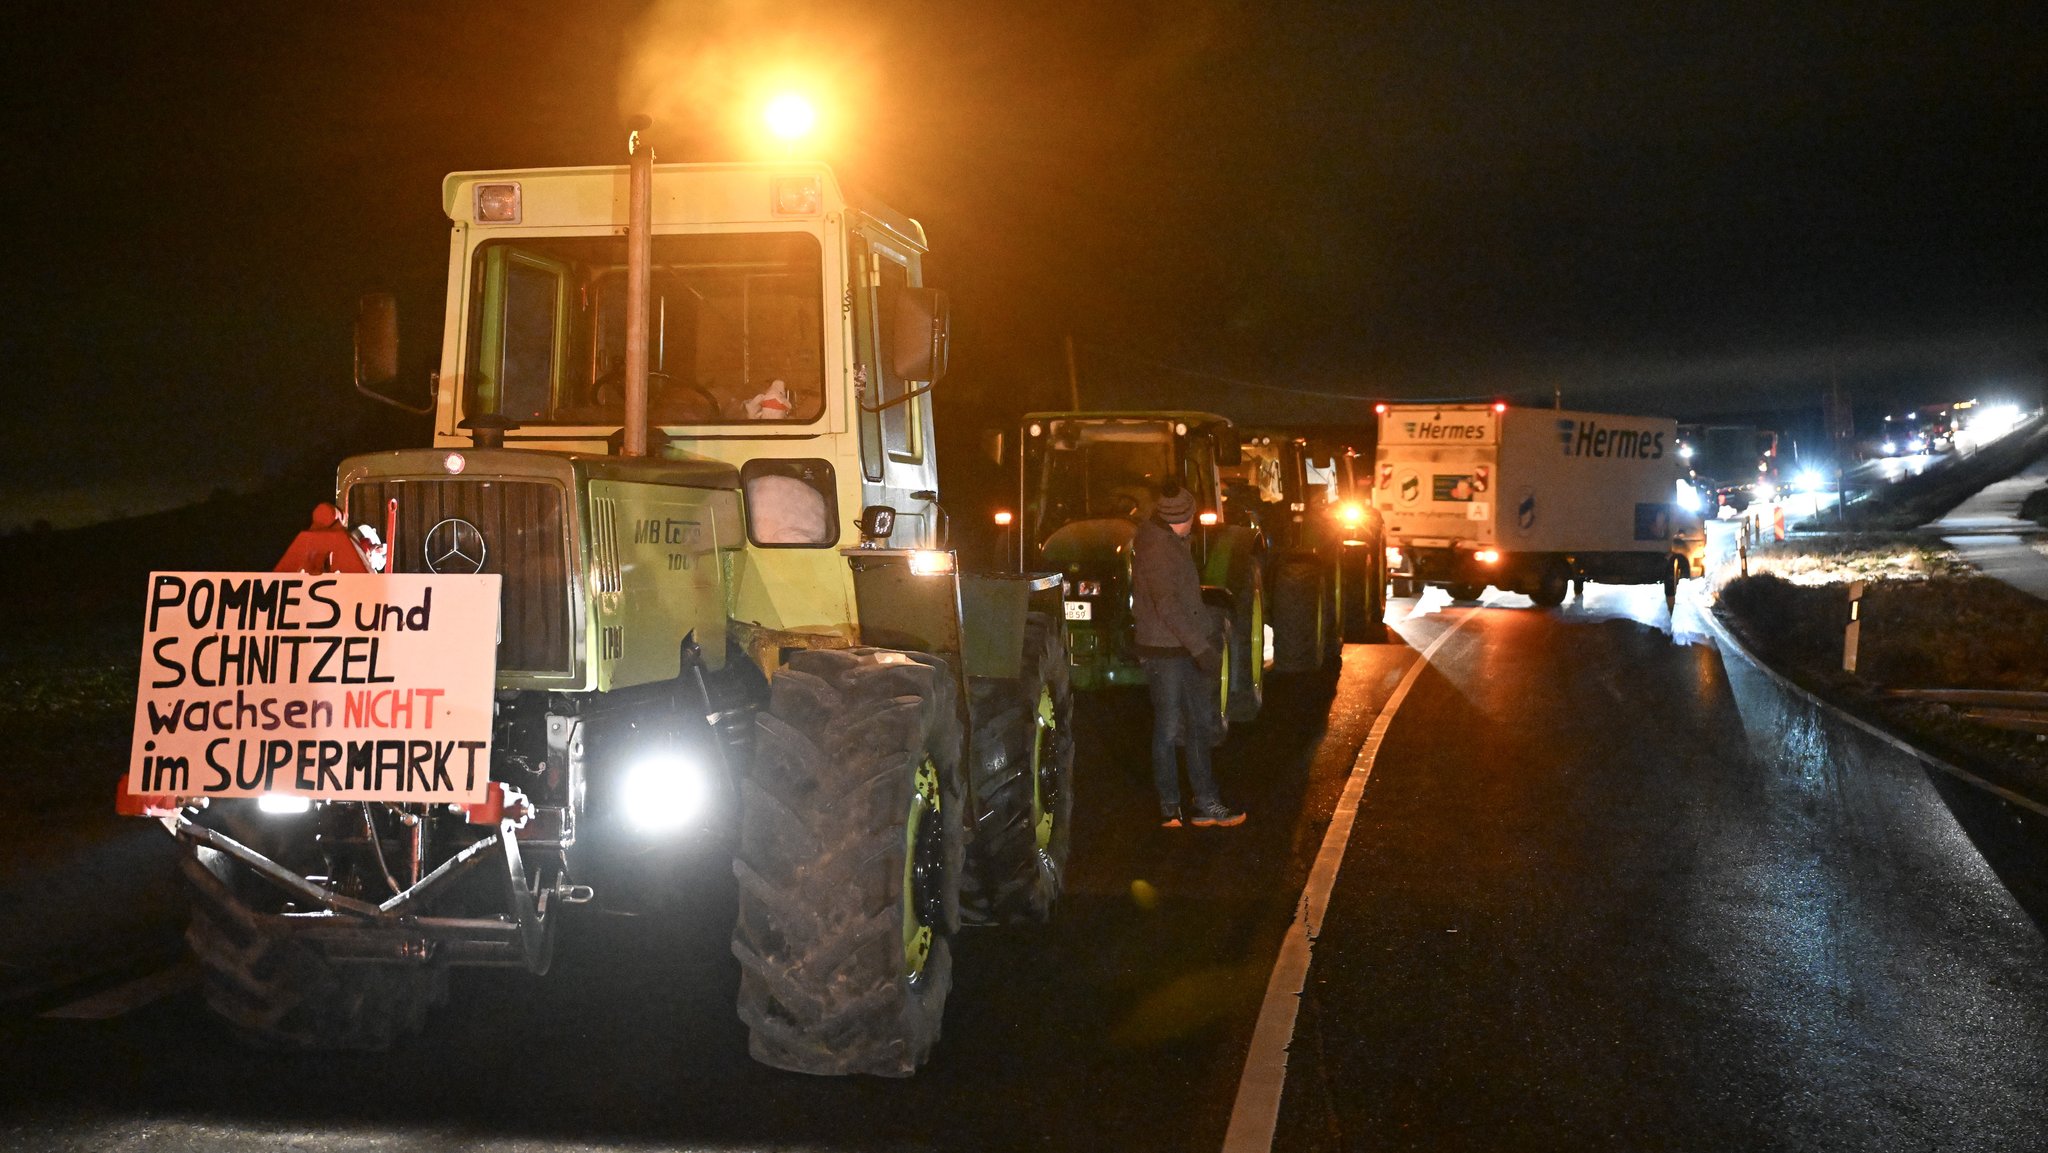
point(683, 464)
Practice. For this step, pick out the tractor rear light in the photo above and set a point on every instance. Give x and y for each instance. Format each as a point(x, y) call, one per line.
point(454, 463)
point(1208, 519)
point(798, 195)
point(1351, 513)
point(284, 804)
point(497, 203)
point(1487, 556)
point(1004, 518)
point(931, 562)
point(1500, 406)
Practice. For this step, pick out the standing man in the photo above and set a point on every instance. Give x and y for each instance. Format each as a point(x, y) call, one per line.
point(1177, 647)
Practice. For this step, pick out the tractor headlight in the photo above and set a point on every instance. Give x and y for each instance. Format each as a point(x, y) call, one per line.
point(663, 791)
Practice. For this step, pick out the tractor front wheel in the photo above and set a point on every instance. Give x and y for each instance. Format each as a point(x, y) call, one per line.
point(849, 864)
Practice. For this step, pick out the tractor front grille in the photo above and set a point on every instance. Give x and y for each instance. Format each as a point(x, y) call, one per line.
point(525, 540)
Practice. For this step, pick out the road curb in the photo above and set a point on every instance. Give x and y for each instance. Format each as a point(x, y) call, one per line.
point(1727, 640)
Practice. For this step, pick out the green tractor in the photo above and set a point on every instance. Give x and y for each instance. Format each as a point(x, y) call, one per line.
point(1085, 480)
point(1309, 493)
point(683, 434)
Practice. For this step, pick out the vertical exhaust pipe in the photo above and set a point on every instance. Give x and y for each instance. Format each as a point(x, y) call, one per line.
point(639, 258)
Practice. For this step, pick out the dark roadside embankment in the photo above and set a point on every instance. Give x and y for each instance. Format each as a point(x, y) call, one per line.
point(86, 895)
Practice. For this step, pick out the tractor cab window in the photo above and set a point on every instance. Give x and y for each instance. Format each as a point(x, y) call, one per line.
point(1083, 471)
point(735, 330)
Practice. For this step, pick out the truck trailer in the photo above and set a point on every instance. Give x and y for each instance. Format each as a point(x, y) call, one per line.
point(1531, 500)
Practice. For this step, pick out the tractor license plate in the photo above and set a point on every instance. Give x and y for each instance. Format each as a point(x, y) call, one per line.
point(1080, 611)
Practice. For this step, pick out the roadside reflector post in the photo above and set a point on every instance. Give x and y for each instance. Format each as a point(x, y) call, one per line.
point(1778, 522)
point(1742, 546)
point(1854, 632)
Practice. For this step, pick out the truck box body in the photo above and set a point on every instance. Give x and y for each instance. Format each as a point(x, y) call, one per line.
point(1591, 492)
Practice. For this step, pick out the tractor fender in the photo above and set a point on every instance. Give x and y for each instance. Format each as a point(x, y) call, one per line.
point(1232, 553)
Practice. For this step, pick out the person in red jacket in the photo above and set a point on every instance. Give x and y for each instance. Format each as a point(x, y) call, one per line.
point(1178, 648)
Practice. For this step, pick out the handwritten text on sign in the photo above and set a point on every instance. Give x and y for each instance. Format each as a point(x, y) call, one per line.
point(344, 686)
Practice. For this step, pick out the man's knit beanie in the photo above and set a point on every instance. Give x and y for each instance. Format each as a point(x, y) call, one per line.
point(1176, 505)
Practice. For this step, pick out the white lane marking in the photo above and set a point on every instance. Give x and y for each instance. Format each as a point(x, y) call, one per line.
point(122, 999)
point(1728, 641)
point(1257, 1110)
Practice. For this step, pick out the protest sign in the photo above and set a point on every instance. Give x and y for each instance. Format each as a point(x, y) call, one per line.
point(340, 686)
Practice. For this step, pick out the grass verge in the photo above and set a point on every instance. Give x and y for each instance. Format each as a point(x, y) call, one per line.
point(1925, 625)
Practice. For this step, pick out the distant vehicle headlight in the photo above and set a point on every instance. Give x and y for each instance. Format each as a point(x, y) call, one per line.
point(1810, 480)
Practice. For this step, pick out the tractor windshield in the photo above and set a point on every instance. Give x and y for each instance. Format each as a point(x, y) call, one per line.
point(735, 330)
point(1098, 470)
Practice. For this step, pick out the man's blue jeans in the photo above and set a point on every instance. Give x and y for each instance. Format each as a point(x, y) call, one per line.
point(1184, 714)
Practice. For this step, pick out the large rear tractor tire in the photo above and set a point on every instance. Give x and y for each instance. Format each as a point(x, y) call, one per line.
point(280, 992)
point(849, 864)
point(1021, 764)
point(1248, 651)
point(1365, 597)
point(1299, 624)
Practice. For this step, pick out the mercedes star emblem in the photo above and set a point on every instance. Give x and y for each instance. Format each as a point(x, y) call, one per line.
point(455, 547)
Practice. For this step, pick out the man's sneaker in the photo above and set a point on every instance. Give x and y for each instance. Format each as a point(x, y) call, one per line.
point(1170, 818)
point(1216, 815)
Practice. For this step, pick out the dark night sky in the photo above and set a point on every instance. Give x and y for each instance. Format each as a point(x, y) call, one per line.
point(1677, 211)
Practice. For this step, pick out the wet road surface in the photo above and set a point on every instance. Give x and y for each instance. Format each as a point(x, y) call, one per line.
point(1121, 1025)
point(1610, 891)
point(1606, 890)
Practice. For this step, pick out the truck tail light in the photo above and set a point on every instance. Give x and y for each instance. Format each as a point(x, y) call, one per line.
point(1487, 556)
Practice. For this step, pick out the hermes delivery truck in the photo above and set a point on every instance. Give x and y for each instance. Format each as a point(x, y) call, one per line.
point(1531, 500)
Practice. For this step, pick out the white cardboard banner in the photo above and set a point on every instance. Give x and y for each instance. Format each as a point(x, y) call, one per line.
point(346, 686)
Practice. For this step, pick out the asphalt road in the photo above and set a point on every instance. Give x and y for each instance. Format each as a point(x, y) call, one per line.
point(1606, 890)
point(1123, 1024)
point(1612, 891)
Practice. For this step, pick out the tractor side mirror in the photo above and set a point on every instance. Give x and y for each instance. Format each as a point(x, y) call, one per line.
point(376, 343)
point(1229, 448)
point(922, 334)
point(376, 340)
